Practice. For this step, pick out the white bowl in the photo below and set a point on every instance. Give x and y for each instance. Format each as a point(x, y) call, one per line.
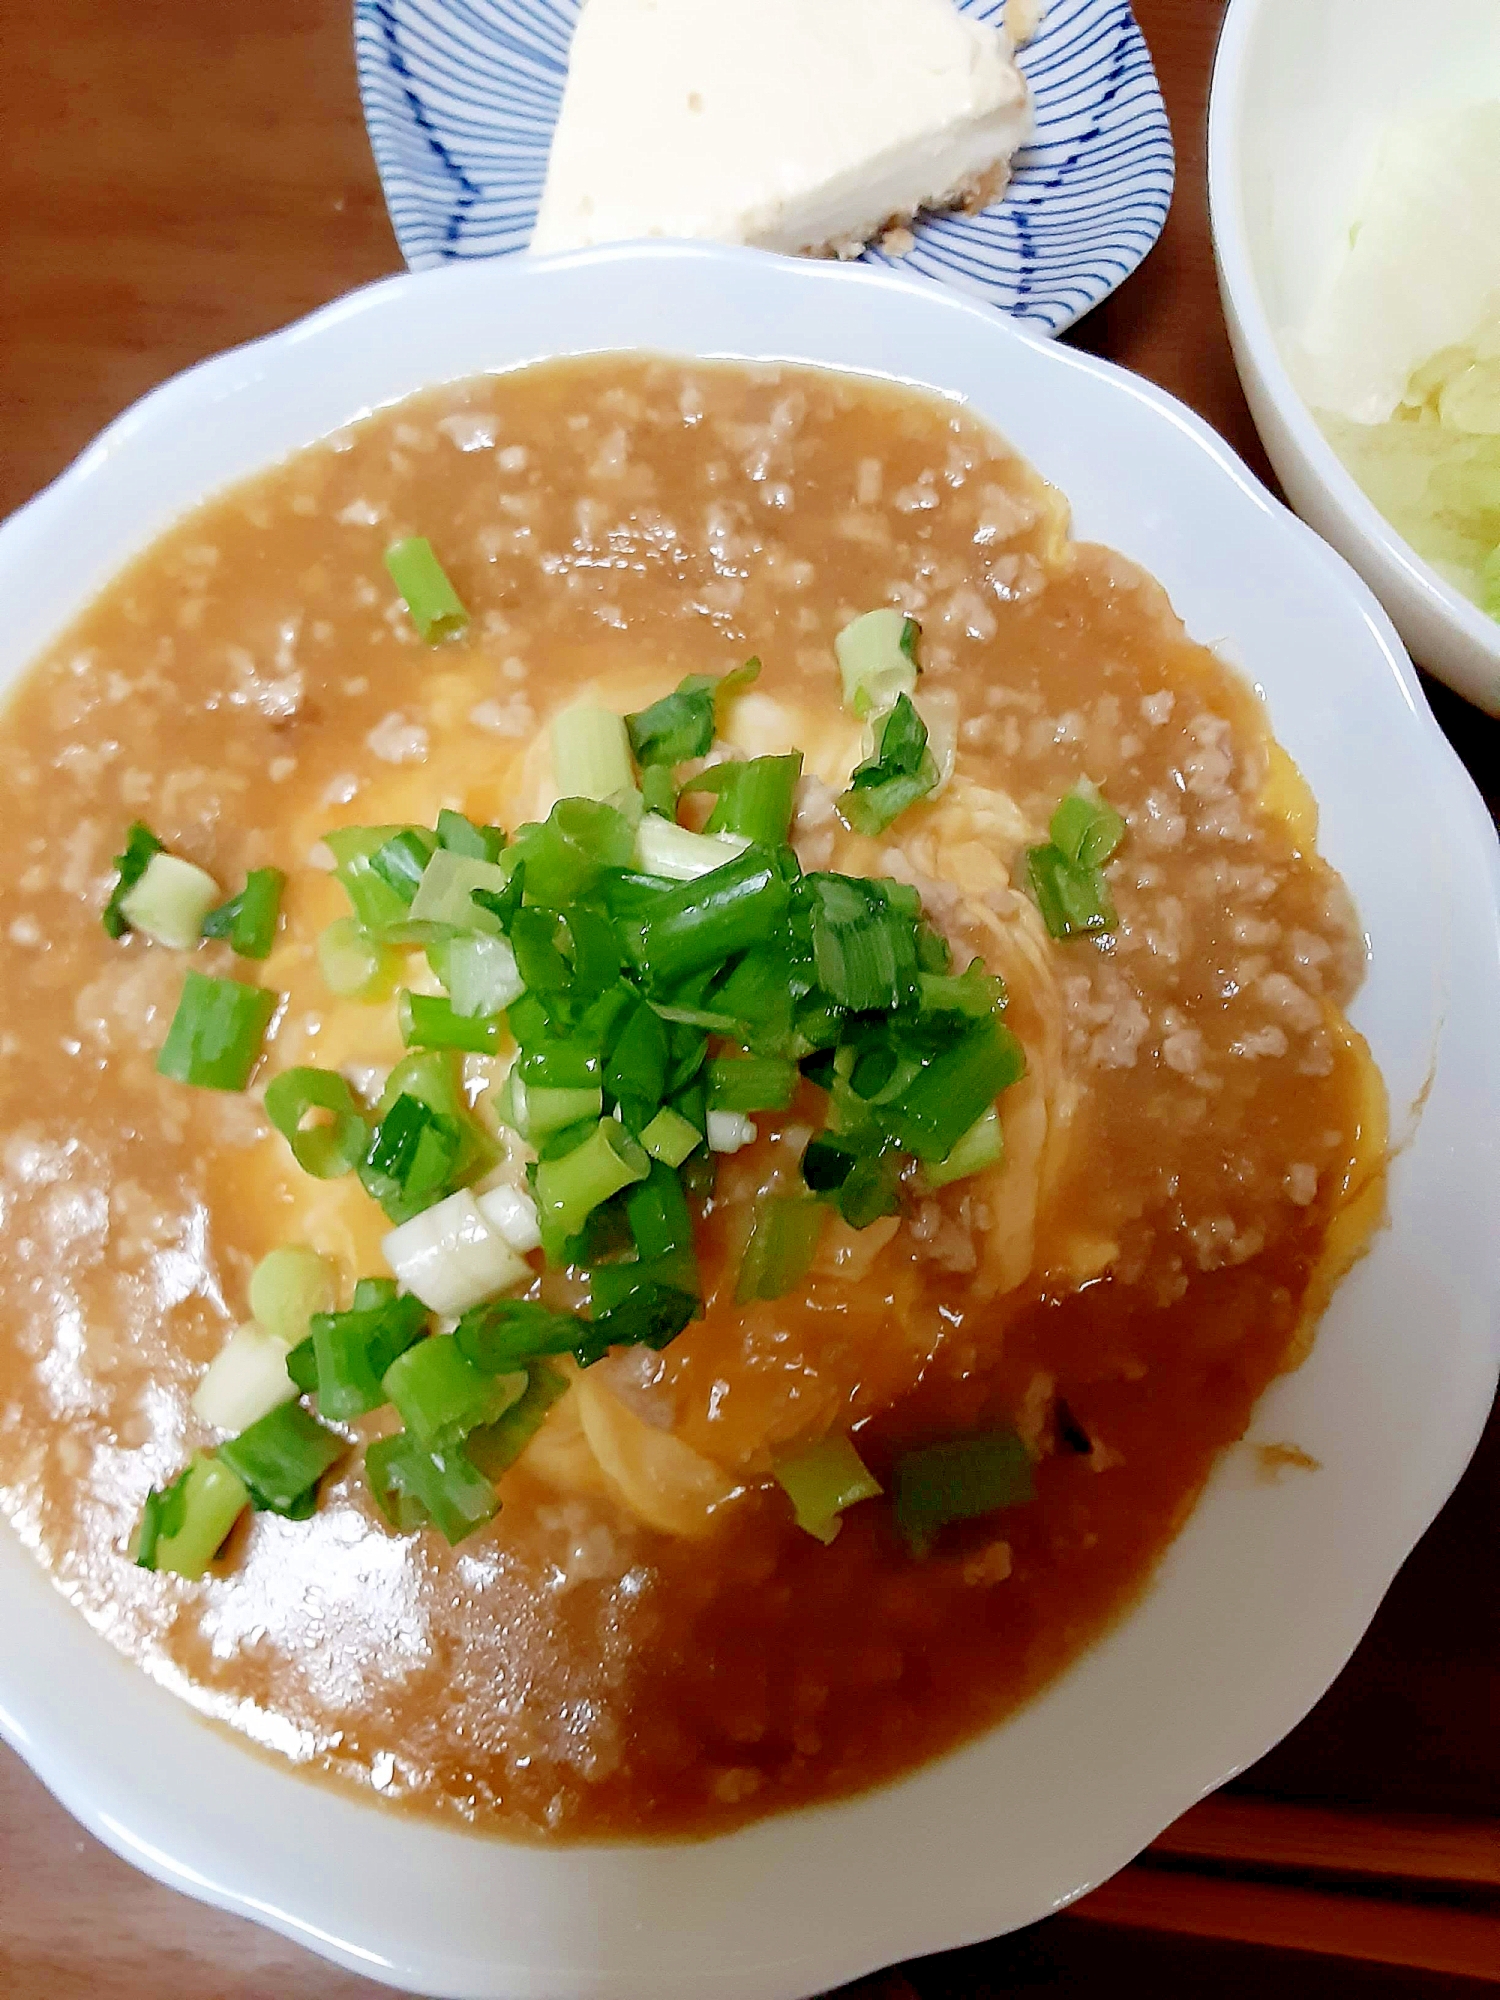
point(1302, 92)
point(1266, 1592)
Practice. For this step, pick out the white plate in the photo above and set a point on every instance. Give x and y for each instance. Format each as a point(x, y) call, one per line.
point(461, 97)
point(1264, 1595)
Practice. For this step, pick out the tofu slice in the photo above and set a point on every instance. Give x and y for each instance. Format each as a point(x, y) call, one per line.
point(793, 125)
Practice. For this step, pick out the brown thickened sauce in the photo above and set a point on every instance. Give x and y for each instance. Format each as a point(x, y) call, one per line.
point(1194, 1156)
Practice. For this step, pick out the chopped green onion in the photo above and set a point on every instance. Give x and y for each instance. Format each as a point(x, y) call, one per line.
point(401, 861)
point(506, 1334)
point(512, 1211)
point(536, 939)
point(444, 893)
point(479, 972)
point(452, 1256)
point(612, 1283)
point(1074, 901)
point(864, 951)
point(248, 920)
point(901, 771)
point(170, 902)
point(689, 1052)
point(287, 1287)
point(605, 1234)
point(959, 1481)
point(427, 1022)
point(567, 854)
point(659, 791)
point(140, 844)
point(247, 1377)
point(596, 953)
point(754, 798)
point(352, 1351)
point(590, 753)
point(302, 1366)
point(954, 1090)
point(973, 991)
point(821, 1481)
point(728, 1131)
point(670, 1138)
point(539, 1111)
point(324, 1150)
point(663, 848)
point(353, 965)
point(568, 1189)
point(282, 1458)
point(983, 1145)
point(684, 723)
point(435, 1078)
point(826, 1165)
point(216, 1034)
point(877, 656)
point(412, 1159)
point(1086, 829)
point(562, 1065)
point(460, 835)
point(871, 1189)
point(649, 1315)
point(933, 953)
point(628, 892)
point(1065, 876)
point(661, 1230)
point(431, 1075)
point(641, 1057)
point(751, 1083)
point(658, 1216)
point(183, 1528)
point(414, 1487)
point(436, 609)
point(377, 906)
point(679, 726)
point(442, 1396)
point(495, 1447)
point(777, 1007)
point(783, 1242)
point(702, 923)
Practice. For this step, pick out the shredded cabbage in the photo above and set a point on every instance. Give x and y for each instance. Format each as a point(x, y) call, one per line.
point(1433, 468)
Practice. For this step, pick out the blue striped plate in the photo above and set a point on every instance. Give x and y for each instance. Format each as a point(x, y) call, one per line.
point(461, 97)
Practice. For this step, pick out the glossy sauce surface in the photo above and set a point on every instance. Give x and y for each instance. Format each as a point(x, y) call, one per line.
point(642, 1642)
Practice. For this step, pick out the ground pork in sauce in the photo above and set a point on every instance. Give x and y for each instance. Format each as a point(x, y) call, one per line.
point(1122, 1290)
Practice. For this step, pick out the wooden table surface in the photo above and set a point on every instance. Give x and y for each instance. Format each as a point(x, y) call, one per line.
point(181, 175)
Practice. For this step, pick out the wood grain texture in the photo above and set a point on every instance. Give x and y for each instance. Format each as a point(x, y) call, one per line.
point(1427, 1938)
point(178, 176)
point(1459, 1854)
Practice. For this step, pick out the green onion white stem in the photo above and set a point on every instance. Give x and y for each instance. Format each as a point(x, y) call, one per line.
point(512, 1212)
point(245, 1379)
point(677, 853)
point(451, 1257)
point(170, 901)
point(728, 1131)
point(591, 753)
point(875, 660)
point(287, 1287)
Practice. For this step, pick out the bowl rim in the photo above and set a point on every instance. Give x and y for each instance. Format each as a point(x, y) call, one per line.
point(57, 1746)
point(1242, 293)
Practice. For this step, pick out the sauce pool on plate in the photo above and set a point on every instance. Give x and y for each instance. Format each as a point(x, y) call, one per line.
point(1021, 1361)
